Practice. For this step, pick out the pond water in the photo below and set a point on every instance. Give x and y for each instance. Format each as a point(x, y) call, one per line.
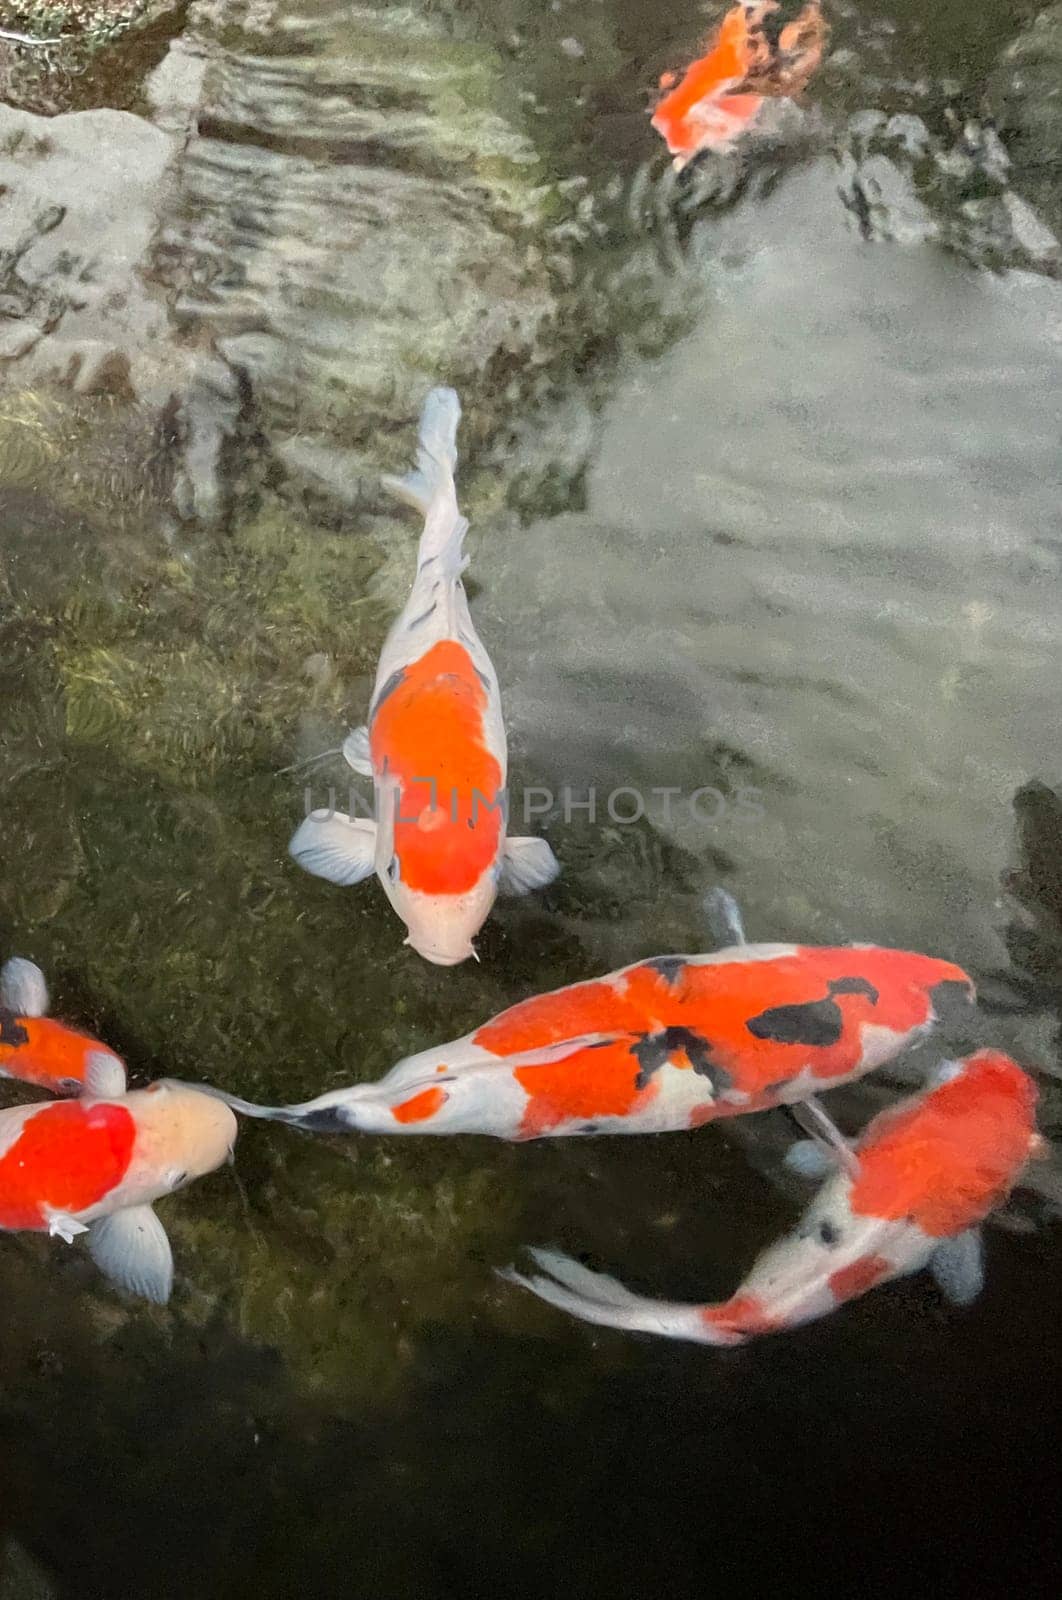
point(762, 465)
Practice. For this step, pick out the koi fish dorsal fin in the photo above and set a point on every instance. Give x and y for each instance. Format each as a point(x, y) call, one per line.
point(130, 1248)
point(430, 487)
point(23, 988)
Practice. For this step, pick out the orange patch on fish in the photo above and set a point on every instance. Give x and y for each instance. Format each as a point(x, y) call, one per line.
point(947, 1161)
point(858, 1277)
point(721, 93)
point(743, 1316)
point(67, 1157)
point(50, 1053)
point(723, 1004)
point(593, 1082)
point(429, 726)
point(421, 1106)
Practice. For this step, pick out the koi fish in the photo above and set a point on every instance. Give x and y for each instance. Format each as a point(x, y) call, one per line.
point(662, 1045)
point(434, 744)
point(748, 59)
point(96, 1165)
point(37, 1049)
point(910, 1195)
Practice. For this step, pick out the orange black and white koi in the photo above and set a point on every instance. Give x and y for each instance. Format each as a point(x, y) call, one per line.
point(751, 57)
point(665, 1044)
point(96, 1165)
point(434, 744)
point(35, 1048)
point(910, 1195)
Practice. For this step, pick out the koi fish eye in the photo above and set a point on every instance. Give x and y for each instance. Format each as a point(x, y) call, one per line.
point(70, 1085)
point(829, 1232)
point(394, 870)
point(174, 1179)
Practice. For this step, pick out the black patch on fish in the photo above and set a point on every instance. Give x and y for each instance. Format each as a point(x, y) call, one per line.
point(11, 1030)
point(951, 998)
point(328, 1120)
point(588, 1127)
point(423, 616)
point(829, 1233)
point(653, 1050)
point(394, 681)
point(484, 680)
point(855, 986)
point(817, 1022)
point(669, 967)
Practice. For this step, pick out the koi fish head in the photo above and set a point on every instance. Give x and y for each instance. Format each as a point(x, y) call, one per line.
point(442, 926)
point(181, 1134)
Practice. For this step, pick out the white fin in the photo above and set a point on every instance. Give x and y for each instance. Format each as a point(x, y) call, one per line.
point(356, 751)
point(334, 846)
point(595, 1297)
point(723, 916)
point(958, 1265)
point(825, 1132)
point(23, 988)
point(944, 1072)
point(104, 1076)
point(809, 1159)
point(430, 489)
point(61, 1225)
point(527, 864)
point(130, 1248)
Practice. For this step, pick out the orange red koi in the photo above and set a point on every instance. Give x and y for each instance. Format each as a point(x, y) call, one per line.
point(434, 744)
point(665, 1044)
point(921, 1180)
point(38, 1049)
point(748, 59)
point(95, 1166)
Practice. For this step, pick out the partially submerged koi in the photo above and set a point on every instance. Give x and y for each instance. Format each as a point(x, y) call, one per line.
point(666, 1044)
point(35, 1048)
point(434, 744)
point(923, 1177)
point(749, 58)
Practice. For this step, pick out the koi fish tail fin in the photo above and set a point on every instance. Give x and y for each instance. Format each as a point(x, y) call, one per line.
point(594, 1297)
point(430, 487)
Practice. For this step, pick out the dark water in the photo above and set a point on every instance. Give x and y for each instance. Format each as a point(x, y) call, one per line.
point(762, 467)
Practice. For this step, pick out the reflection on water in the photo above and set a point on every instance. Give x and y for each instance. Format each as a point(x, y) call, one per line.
point(762, 469)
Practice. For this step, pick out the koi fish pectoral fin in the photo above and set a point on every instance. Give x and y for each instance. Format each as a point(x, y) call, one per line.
point(356, 751)
point(131, 1249)
point(23, 988)
point(808, 1158)
point(336, 847)
point(824, 1132)
point(958, 1265)
point(104, 1076)
point(63, 1226)
point(527, 864)
point(723, 917)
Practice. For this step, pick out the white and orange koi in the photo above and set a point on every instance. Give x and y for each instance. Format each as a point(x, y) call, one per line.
point(434, 744)
point(666, 1044)
point(910, 1195)
point(96, 1165)
point(37, 1049)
